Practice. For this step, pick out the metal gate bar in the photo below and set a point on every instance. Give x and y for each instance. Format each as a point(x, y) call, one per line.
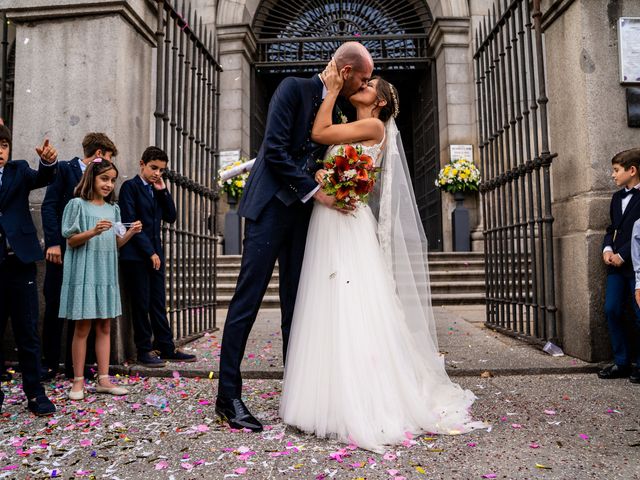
point(186, 128)
point(516, 165)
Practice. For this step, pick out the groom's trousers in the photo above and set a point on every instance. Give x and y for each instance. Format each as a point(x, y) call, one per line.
point(280, 234)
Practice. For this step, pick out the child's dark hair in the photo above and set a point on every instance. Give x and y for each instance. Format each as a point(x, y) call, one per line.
point(387, 92)
point(94, 141)
point(627, 159)
point(84, 189)
point(5, 134)
point(154, 153)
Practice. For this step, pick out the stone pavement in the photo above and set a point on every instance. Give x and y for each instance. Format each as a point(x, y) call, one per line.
point(549, 420)
point(470, 349)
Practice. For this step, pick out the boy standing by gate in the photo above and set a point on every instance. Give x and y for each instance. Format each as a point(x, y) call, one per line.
point(624, 211)
point(146, 198)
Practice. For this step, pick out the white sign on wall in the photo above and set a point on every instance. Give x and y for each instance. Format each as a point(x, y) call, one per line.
point(227, 157)
point(456, 152)
point(629, 49)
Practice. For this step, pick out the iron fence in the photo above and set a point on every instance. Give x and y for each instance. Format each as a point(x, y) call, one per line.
point(516, 165)
point(7, 75)
point(186, 128)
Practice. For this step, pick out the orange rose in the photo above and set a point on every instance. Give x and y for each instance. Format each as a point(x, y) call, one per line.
point(363, 175)
point(368, 161)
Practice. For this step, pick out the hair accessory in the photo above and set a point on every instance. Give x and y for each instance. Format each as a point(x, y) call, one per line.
point(97, 160)
point(396, 104)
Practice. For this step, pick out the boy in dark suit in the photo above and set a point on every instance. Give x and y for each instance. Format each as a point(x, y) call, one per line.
point(624, 211)
point(19, 250)
point(58, 194)
point(146, 197)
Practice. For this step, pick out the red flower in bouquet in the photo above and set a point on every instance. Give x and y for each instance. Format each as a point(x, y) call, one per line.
point(350, 177)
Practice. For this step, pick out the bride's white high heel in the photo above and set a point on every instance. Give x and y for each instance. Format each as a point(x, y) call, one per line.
point(77, 395)
point(110, 390)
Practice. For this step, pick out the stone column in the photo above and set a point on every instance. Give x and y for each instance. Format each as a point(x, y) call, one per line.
point(80, 68)
point(449, 44)
point(588, 127)
point(237, 46)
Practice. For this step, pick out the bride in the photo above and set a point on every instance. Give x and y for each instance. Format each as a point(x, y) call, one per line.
point(362, 363)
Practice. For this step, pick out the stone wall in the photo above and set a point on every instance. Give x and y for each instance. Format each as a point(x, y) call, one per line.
point(588, 126)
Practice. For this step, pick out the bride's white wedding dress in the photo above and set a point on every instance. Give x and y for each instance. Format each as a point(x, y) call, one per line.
point(354, 369)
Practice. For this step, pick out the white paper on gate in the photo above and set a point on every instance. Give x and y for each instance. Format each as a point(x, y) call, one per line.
point(238, 170)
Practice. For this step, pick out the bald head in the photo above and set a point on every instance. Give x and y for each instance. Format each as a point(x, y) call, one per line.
point(356, 66)
point(354, 54)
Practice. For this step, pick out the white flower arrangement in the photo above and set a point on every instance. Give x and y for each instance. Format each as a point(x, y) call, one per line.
point(234, 186)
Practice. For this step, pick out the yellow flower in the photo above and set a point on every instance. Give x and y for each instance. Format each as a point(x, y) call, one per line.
point(238, 183)
point(455, 171)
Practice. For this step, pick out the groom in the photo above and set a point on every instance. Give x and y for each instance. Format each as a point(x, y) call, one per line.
point(276, 204)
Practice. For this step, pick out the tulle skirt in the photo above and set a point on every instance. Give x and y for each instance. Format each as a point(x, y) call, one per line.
point(354, 372)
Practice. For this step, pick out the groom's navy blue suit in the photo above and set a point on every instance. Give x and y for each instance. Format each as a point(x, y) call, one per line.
point(276, 219)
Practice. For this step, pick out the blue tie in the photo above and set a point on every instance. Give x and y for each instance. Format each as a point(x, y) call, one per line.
point(149, 189)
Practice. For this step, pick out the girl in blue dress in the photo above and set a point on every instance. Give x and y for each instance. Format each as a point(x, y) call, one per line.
point(90, 290)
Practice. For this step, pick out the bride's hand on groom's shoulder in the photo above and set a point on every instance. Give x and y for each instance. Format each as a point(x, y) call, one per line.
point(332, 77)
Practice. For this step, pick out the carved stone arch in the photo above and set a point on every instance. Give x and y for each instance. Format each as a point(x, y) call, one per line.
point(233, 12)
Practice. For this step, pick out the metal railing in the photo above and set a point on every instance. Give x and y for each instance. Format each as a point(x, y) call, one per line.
point(7, 74)
point(186, 128)
point(298, 52)
point(516, 166)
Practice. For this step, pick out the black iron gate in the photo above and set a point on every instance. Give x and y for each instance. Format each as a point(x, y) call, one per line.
point(516, 163)
point(7, 75)
point(426, 146)
point(186, 128)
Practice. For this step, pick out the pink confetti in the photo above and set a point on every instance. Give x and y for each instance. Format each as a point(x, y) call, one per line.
point(534, 445)
point(393, 472)
point(202, 428)
point(516, 425)
point(489, 475)
point(584, 436)
point(472, 444)
point(240, 471)
point(162, 464)
point(408, 435)
point(186, 466)
point(10, 467)
point(389, 456)
point(176, 374)
point(550, 412)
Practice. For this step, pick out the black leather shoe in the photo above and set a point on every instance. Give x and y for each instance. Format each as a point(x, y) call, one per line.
point(177, 356)
point(150, 360)
point(41, 405)
point(1, 400)
point(634, 377)
point(236, 414)
point(614, 371)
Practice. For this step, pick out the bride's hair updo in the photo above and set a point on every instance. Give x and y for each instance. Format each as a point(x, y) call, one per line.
point(387, 92)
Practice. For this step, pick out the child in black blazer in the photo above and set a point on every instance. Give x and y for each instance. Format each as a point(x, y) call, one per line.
point(19, 251)
point(146, 198)
point(624, 211)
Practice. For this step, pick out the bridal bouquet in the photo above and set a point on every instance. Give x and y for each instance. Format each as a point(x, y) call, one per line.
point(350, 176)
point(459, 176)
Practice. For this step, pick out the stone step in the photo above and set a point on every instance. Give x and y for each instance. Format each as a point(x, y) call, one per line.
point(272, 301)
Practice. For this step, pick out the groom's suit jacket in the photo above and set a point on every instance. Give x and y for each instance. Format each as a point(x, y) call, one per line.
point(618, 235)
point(286, 161)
